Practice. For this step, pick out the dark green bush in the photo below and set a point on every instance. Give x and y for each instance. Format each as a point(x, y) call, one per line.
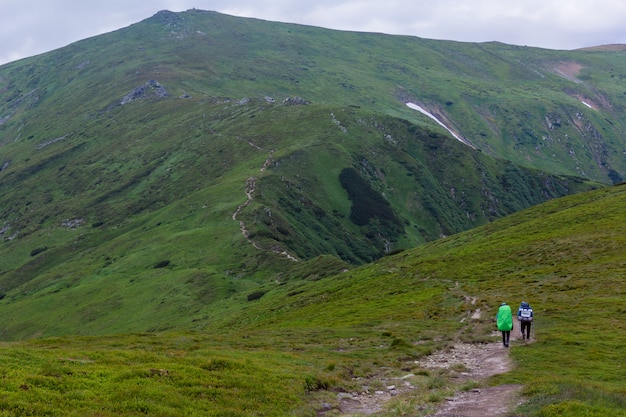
point(38, 251)
point(256, 295)
point(162, 264)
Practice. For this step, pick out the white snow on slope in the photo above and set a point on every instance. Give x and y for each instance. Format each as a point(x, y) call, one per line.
point(425, 112)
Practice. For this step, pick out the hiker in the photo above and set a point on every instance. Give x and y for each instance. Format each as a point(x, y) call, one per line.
point(504, 318)
point(525, 317)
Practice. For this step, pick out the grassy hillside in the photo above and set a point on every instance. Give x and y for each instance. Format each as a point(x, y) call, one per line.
point(199, 206)
point(158, 208)
point(294, 348)
point(558, 111)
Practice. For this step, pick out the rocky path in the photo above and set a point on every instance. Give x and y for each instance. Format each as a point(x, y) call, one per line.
point(479, 362)
point(493, 401)
point(482, 362)
point(250, 188)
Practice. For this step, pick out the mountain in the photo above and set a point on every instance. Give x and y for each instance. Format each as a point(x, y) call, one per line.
point(559, 111)
point(155, 170)
point(199, 206)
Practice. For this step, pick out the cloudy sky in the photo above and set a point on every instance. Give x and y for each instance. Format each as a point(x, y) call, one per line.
point(30, 27)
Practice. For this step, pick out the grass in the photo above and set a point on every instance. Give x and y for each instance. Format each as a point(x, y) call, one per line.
point(303, 341)
point(499, 96)
point(164, 190)
point(146, 375)
point(169, 374)
point(153, 186)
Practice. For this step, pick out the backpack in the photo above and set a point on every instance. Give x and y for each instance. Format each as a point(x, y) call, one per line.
point(526, 314)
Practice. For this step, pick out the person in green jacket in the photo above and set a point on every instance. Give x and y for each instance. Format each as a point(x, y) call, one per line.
point(504, 318)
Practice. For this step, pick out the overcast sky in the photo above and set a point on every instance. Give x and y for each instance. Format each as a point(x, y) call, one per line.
point(30, 27)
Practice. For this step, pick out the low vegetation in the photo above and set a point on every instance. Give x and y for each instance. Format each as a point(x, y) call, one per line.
point(158, 223)
point(215, 216)
point(292, 350)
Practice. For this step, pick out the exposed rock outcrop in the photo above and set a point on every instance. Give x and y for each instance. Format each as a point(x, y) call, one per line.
point(296, 101)
point(151, 88)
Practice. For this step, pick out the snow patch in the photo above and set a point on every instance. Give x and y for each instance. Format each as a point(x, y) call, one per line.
point(427, 113)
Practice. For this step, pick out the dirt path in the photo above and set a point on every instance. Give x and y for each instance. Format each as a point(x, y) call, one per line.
point(479, 362)
point(493, 402)
point(471, 362)
point(250, 189)
point(482, 362)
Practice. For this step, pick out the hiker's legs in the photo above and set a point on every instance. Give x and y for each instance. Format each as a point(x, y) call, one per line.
point(526, 329)
point(505, 338)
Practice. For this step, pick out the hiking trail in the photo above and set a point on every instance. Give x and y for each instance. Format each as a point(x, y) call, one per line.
point(479, 362)
point(482, 362)
point(249, 190)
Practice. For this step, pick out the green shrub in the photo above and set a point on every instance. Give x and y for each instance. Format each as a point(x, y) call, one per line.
point(255, 295)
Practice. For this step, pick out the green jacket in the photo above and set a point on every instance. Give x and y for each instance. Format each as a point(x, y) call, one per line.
point(505, 318)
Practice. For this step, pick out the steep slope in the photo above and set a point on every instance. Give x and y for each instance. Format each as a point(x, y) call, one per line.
point(564, 256)
point(559, 111)
point(187, 202)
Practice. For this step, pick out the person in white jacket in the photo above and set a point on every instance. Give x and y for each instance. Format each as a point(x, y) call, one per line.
point(525, 317)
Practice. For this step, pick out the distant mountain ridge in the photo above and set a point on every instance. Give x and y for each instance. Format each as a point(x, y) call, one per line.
point(607, 47)
point(512, 102)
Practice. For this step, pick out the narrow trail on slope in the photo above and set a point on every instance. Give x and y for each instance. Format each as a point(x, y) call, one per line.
point(250, 188)
point(480, 361)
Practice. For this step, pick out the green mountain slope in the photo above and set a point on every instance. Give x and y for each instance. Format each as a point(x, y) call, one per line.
point(155, 170)
point(208, 199)
point(559, 111)
point(292, 349)
point(263, 192)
